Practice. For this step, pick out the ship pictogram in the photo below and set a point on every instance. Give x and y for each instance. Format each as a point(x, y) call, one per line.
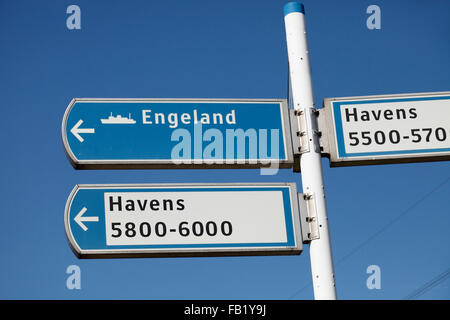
point(118, 120)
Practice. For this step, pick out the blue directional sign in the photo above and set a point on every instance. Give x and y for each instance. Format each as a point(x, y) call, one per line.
point(158, 133)
point(106, 221)
point(386, 128)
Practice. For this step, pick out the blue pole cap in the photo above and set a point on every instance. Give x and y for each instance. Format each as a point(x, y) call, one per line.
point(293, 7)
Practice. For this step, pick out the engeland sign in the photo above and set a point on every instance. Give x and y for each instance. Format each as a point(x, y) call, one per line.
point(180, 133)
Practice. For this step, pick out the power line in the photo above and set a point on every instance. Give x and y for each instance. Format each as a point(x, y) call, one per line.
point(393, 221)
point(373, 236)
point(300, 290)
point(429, 285)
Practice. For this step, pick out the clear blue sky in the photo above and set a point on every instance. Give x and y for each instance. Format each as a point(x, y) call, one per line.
point(393, 216)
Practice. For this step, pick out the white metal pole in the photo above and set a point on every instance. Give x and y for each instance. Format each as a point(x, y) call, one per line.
point(310, 162)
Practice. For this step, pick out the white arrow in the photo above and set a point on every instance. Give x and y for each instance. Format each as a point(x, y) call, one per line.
point(80, 219)
point(76, 130)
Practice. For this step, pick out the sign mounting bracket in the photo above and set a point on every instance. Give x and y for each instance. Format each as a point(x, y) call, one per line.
point(299, 115)
point(308, 217)
point(322, 133)
point(299, 133)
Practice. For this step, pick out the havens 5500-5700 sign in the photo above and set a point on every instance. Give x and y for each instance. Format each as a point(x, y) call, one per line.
point(386, 129)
